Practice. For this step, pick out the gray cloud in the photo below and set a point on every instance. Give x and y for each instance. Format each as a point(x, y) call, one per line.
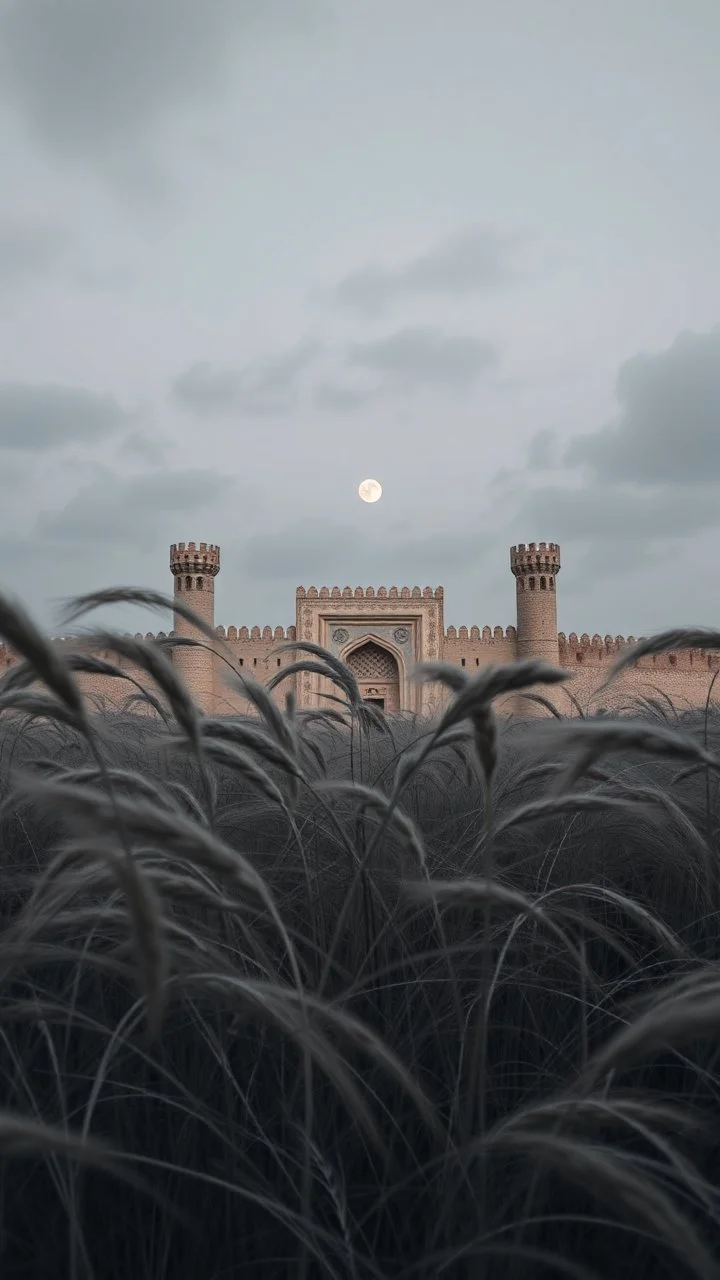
point(28, 247)
point(134, 508)
point(471, 261)
point(650, 477)
point(14, 475)
point(92, 80)
point(103, 279)
point(36, 417)
point(624, 516)
point(411, 359)
point(263, 388)
point(415, 357)
point(669, 426)
point(585, 573)
point(338, 399)
point(542, 452)
point(316, 552)
point(148, 445)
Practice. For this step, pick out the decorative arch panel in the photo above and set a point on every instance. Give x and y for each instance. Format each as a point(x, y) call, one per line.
point(381, 634)
point(376, 671)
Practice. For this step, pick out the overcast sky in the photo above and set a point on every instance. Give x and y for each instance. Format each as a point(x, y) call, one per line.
point(254, 251)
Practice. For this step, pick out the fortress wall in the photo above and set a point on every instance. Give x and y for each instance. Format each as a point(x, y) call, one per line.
point(685, 689)
point(475, 647)
point(684, 677)
point(105, 694)
point(600, 651)
point(251, 651)
point(113, 693)
point(100, 691)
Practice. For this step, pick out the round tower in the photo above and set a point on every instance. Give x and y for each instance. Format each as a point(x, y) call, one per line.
point(195, 568)
point(535, 567)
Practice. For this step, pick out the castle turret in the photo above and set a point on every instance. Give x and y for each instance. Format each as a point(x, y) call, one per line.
point(194, 568)
point(535, 567)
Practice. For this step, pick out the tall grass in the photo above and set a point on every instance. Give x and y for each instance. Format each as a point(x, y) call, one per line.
point(326, 994)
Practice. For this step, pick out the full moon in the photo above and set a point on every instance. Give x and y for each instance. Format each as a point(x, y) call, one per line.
point(370, 490)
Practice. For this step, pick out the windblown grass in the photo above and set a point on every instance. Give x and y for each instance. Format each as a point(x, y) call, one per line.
point(329, 995)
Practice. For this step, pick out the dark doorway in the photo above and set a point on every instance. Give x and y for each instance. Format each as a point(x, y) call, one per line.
point(376, 702)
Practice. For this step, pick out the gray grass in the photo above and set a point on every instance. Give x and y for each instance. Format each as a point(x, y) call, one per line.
point(320, 993)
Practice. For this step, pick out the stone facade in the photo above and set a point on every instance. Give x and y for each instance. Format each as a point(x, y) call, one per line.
point(381, 634)
point(404, 626)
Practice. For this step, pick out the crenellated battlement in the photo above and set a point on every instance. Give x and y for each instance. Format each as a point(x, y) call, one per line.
point(535, 557)
point(191, 557)
point(272, 635)
point(485, 636)
point(369, 593)
point(613, 644)
point(597, 649)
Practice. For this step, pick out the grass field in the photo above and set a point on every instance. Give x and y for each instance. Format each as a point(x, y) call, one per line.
point(325, 995)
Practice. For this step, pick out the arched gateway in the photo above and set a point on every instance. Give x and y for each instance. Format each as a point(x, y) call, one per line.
point(376, 671)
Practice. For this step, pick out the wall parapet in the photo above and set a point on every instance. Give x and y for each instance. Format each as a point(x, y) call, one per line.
point(609, 642)
point(535, 557)
point(264, 634)
point(602, 648)
point(369, 593)
point(487, 635)
point(267, 634)
point(191, 557)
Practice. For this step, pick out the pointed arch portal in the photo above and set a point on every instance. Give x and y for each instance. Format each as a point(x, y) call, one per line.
point(376, 671)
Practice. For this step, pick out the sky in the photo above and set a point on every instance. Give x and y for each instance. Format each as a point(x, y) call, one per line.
point(255, 251)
